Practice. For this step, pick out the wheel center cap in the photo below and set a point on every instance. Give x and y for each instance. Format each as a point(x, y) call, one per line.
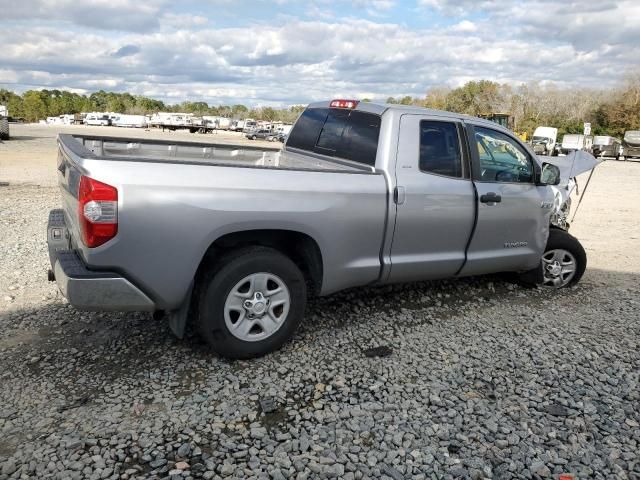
point(555, 269)
point(259, 307)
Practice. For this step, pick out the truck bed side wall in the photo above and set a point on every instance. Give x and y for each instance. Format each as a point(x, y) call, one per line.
point(169, 215)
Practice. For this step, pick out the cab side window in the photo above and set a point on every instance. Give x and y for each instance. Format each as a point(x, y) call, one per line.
point(502, 159)
point(440, 148)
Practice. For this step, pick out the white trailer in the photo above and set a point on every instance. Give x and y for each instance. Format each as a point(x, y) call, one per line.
point(237, 125)
point(217, 123)
point(135, 121)
point(224, 123)
point(284, 129)
point(179, 121)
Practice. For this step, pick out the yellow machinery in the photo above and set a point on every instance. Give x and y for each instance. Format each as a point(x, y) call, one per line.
point(506, 120)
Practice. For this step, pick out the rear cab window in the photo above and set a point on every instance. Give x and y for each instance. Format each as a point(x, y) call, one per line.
point(340, 133)
point(440, 151)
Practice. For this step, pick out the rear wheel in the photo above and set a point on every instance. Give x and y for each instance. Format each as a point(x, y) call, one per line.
point(251, 302)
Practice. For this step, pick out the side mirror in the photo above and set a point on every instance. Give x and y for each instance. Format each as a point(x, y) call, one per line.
point(550, 174)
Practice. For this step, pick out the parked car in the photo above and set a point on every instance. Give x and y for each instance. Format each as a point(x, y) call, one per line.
point(360, 194)
point(261, 133)
point(98, 119)
point(631, 144)
point(605, 146)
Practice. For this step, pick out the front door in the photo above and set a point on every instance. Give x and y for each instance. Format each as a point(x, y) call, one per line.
point(513, 213)
point(434, 199)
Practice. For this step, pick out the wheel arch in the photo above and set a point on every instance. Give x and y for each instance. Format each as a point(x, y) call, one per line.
point(300, 247)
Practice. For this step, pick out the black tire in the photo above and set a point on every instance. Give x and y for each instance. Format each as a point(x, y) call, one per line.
point(216, 284)
point(253, 137)
point(560, 239)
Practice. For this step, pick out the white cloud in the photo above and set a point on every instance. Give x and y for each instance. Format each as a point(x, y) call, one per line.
point(464, 26)
point(125, 15)
point(182, 56)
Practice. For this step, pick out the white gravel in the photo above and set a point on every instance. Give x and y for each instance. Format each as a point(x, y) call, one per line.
point(485, 379)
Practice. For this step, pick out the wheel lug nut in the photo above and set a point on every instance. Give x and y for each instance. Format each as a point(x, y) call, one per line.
point(247, 304)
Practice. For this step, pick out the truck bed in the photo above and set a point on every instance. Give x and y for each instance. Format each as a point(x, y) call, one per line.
point(168, 151)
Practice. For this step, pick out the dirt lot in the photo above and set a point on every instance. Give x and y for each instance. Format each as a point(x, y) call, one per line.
point(486, 379)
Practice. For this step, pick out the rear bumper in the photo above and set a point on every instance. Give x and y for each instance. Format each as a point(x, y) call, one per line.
point(88, 289)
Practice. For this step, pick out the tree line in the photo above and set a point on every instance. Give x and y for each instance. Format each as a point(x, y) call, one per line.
point(34, 105)
point(610, 111)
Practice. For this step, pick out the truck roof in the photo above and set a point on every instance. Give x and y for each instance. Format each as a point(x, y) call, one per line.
point(380, 108)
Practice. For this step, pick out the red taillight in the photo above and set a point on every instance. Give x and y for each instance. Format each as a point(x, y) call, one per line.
point(344, 103)
point(98, 211)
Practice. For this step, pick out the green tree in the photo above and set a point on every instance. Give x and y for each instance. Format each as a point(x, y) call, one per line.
point(35, 105)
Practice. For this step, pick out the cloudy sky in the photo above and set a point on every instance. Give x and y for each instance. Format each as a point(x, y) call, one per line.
point(281, 52)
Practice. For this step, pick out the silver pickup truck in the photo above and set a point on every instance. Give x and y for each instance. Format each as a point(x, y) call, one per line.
point(235, 238)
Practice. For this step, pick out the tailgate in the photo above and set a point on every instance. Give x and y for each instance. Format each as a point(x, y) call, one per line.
point(69, 174)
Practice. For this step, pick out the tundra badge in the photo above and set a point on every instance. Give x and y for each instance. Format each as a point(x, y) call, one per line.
point(515, 244)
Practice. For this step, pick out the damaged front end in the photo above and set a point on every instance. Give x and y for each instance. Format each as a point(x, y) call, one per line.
point(562, 204)
point(570, 166)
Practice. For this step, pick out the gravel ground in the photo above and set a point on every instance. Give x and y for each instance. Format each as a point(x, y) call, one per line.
point(478, 378)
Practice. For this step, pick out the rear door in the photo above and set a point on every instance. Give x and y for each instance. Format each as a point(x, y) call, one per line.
point(435, 200)
point(513, 213)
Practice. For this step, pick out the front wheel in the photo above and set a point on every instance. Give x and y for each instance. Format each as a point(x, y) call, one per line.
point(251, 302)
point(564, 260)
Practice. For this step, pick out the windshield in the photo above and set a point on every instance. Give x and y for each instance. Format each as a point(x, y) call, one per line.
point(602, 140)
point(632, 136)
point(540, 139)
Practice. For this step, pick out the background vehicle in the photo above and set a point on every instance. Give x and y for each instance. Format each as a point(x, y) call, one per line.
point(506, 120)
point(261, 133)
point(98, 119)
point(557, 149)
point(605, 146)
point(572, 142)
point(631, 144)
point(543, 141)
point(284, 129)
point(237, 125)
point(122, 120)
point(4, 123)
point(361, 194)
point(249, 125)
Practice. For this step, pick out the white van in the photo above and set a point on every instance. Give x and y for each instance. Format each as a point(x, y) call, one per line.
point(544, 140)
point(99, 119)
